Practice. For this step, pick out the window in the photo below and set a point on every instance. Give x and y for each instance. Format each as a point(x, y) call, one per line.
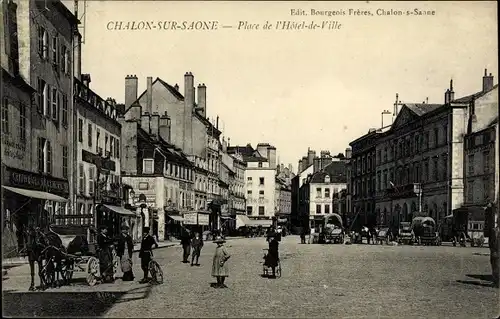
point(471, 164)
point(43, 45)
point(445, 167)
point(425, 177)
point(91, 180)
point(385, 154)
point(327, 192)
point(318, 209)
point(55, 48)
point(426, 140)
point(48, 163)
point(106, 144)
point(260, 164)
point(486, 158)
point(5, 116)
point(111, 151)
point(64, 110)
point(249, 210)
point(80, 130)
point(486, 189)
point(445, 133)
point(261, 194)
point(22, 122)
point(470, 192)
point(435, 175)
point(98, 134)
point(65, 162)
point(41, 96)
point(55, 103)
point(81, 179)
point(65, 65)
point(148, 166)
point(249, 192)
point(261, 180)
point(436, 137)
point(117, 148)
point(89, 133)
point(261, 210)
point(41, 154)
point(327, 209)
point(249, 179)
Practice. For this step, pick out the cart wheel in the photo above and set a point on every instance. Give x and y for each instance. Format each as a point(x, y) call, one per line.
point(68, 271)
point(156, 272)
point(48, 273)
point(93, 270)
point(91, 280)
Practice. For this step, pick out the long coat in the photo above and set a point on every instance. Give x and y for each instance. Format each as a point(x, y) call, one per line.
point(219, 266)
point(272, 254)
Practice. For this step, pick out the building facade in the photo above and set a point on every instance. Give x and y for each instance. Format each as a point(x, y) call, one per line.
point(160, 174)
point(36, 130)
point(283, 202)
point(237, 185)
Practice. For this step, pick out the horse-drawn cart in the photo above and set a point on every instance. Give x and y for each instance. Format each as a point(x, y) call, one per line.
point(78, 255)
point(406, 235)
point(383, 236)
point(425, 231)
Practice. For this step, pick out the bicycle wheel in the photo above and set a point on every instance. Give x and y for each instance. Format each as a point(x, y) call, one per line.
point(156, 272)
point(278, 269)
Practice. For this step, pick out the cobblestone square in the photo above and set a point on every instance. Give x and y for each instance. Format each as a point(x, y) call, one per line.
point(335, 281)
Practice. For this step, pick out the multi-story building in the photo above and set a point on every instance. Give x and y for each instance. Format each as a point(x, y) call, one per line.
point(319, 190)
point(260, 183)
point(283, 202)
point(237, 185)
point(37, 51)
point(346, 199)
point(420, 160)
point(191, 131)
point(99, 192)
point(300, 209)
point(159, 173)
point(481, 148)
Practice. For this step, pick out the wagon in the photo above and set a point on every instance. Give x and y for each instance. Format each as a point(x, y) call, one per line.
point(84, 260)
point(383, 236)
point(333, 230)
point(425, 231)
point(405, 234)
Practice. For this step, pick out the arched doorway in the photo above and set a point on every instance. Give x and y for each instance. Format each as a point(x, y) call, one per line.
point(396, 215)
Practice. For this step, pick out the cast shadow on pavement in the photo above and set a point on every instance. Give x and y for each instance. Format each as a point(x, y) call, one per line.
point(482, 280)
point(67, 304)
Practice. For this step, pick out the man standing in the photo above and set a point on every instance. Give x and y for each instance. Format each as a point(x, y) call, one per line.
point(146, 252)
point(197, 244)
point(186, 245)
point(493, 241)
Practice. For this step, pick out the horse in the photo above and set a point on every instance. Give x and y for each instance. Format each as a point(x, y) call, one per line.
point(46, 247)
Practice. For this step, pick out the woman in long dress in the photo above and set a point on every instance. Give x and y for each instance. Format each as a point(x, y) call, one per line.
point(220, 269)
point(105, 255)
point(273, 255)
point(124, 251)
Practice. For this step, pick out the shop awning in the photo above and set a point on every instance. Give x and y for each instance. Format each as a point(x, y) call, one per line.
point(242, 221)
point(261, 222)
point(35, 194)
point(176, 218)
point(120, 210)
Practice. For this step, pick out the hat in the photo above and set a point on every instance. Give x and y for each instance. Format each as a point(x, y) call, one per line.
point(145, 229)
point(219, 239)
point(103, 227)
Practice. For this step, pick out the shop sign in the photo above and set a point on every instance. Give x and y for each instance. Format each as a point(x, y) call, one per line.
point(23, 179)
point(190, 219)
point(203, 219)
point(13, 150)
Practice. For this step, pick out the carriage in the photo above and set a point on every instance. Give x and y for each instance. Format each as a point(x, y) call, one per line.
point(383, 236)
point(334, 230)
point(406, 235)
point(77, 256)
point(425, 231)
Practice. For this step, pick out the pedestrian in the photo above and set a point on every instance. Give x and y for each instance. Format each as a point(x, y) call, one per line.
point(197, 244)
point(146, 252)
point(272, 256)
point(124, 251)
point(303, 236)
point(105, 255)
point(186, 245)
point(219, 267)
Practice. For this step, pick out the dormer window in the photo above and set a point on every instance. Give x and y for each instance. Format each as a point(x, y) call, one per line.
point(148, 166)
point(327, 179)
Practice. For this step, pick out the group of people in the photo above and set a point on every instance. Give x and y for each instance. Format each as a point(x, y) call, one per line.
point(188, 242)
point(124, 249)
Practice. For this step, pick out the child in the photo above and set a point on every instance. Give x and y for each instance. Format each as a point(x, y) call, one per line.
point(219, 266)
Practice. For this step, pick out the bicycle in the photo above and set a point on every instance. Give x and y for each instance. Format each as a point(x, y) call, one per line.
point(155, 271)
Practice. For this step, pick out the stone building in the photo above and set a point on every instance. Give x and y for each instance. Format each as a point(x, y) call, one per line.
point(283, 202)
point(37, 131)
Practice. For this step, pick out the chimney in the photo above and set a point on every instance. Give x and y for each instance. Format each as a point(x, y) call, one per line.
point(154, 125)
point(77, 53)
point(449, 95)
point(348, 153)
point(316, 165)
point(217, 123)
point(176, 87)
point(149, 93)
point(202, 99)
point(487, 81)
point(131, 84)
point(188, 113)
point(86, 80)
point(164, 127)
point(145, 122)
point(310, 156)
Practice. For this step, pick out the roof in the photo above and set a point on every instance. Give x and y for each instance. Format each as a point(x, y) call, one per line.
point(253, 158)
point(336, 171)
point(243, 150)
point(469, 98)
point(66, 12)
point(422, 108)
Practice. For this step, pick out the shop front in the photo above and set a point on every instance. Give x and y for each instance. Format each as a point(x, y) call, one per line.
point(196, 221)
point(114, 217)
point(29, 199)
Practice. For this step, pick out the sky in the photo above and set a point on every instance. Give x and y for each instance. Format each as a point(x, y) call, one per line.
point(298, 88)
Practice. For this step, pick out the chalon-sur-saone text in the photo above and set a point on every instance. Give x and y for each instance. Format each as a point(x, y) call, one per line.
point(363, 12)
